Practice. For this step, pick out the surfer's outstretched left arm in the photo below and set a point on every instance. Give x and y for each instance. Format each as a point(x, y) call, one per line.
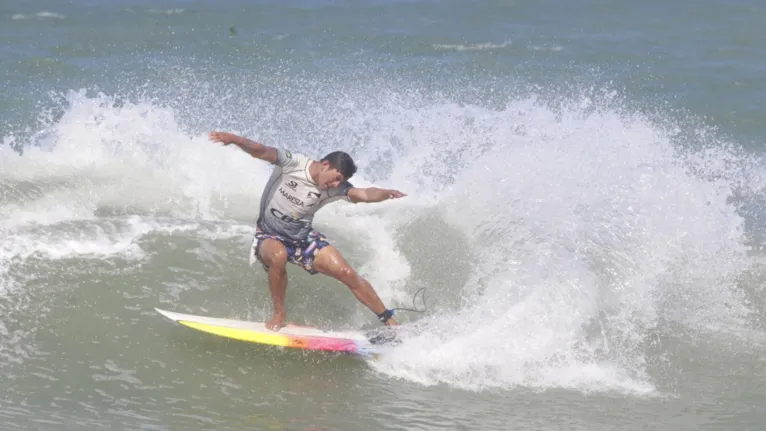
point(373, 194)
point(255, 149)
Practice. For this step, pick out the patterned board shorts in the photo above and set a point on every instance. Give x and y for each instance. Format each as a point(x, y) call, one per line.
point(300, 253)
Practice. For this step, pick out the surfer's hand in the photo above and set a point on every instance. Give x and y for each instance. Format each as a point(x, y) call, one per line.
point(276, 322)
point(395, 194)
point(223, 137)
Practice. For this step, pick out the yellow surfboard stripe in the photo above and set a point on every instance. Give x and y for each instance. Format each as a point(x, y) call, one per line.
point(242, 334)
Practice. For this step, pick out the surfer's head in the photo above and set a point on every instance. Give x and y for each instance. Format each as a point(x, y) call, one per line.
point(336, 168)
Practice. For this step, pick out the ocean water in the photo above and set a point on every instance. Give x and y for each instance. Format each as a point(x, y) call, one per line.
point(585, 211)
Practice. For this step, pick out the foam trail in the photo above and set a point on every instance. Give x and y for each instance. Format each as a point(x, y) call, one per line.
point(590, 234)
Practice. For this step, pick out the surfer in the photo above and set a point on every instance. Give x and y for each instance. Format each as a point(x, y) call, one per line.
point(298, 187)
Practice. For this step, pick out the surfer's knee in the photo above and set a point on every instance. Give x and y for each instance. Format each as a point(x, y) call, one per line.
point(347, 275)
point(274, 257)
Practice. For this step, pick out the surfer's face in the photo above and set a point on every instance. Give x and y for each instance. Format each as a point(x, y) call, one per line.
point(329, 177)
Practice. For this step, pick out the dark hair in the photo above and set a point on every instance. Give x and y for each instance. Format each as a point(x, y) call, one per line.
point(342, 162)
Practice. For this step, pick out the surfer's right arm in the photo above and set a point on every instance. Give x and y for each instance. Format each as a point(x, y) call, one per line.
point(255, 149)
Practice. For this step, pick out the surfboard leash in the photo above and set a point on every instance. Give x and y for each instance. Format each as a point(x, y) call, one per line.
point(414, 307)
point(390, 312)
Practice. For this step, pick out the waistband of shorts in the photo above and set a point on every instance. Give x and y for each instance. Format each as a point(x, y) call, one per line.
point(290, 241)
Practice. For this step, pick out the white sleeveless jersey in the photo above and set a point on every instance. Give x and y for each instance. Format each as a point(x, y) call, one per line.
point(291, 198)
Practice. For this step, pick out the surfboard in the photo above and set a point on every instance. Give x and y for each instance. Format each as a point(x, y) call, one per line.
point(292, 336)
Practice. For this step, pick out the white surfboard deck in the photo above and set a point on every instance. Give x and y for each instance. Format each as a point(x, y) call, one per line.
point(302, 337)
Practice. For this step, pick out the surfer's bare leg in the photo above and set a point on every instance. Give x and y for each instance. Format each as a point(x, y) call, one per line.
point(329, 261)
point(274, 255)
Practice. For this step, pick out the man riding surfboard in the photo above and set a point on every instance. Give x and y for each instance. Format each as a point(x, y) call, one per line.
point(298, 187)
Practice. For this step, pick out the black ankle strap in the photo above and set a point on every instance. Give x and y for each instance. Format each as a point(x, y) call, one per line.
point(384, 316)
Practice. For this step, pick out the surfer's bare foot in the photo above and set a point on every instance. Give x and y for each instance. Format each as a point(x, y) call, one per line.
point(391, 322)
point(276, 322)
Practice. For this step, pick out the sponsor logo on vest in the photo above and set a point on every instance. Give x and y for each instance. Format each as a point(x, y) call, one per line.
point(290, 197)
point(285, 217)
